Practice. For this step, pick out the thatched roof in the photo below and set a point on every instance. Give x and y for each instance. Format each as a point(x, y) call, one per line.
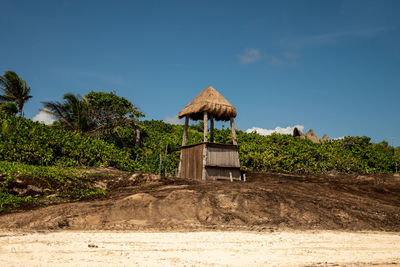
point(310, 135)
point(297, 132)
point(211, 101)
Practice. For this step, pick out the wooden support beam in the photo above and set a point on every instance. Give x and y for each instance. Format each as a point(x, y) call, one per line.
point(205, 119)
point(204, 171)
point(233, 131)
point(211, 128)
point(185, 131)
point(184, 140)
point(159, 171)
point(180, 165)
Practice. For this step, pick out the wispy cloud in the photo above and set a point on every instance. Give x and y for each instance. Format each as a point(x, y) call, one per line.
point(278, 129)
point(173, 120)
point(43, 117)
point(250, 55)
point(302, 42)
point(292, 47)
point(286, 58)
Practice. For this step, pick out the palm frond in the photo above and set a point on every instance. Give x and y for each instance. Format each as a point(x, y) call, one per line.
point(73, 112)
point(59, 117)
point(5, 98)
point(15, 89)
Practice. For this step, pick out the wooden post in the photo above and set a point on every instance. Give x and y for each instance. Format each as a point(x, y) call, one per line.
point(233, 131)
point(204, 172)
point(185, 132)
point(205, 119)
point(160, 164)
point(165, 161)
point(211, 128)
point(184, 140)
point(180, 165)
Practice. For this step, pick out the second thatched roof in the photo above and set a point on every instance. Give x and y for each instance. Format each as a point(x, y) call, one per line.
point(310, 135)
point(211, 101)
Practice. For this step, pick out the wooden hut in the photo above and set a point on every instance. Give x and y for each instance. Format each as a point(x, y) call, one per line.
point(209, 160)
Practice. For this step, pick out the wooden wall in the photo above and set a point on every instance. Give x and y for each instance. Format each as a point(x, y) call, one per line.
point(222, 161)
point(192, 161)
point(222, 156)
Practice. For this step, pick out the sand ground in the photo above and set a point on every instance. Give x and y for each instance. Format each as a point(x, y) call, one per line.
point(278, 201)
point(282, 248)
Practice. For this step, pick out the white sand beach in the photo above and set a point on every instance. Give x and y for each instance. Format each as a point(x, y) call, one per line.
point(282, 248)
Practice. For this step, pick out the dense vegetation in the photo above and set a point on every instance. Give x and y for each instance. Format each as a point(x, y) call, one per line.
point(274, 153)
point(25, 141)
point(284, 153)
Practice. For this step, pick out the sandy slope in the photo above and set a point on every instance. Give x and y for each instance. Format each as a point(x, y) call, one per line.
point(266, 201)
point(283, 248)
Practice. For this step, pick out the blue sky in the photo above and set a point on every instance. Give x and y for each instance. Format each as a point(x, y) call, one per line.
point(333, 66)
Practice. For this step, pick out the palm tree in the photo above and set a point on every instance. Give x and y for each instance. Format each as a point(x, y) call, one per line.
point(14, 89)
point(73, 113)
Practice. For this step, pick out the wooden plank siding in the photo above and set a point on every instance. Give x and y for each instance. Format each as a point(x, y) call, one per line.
point(192, 164)
point(222, 156)
point(221, 162)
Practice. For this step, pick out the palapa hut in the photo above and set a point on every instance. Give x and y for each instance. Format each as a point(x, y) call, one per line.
point(310, 135)
point(209, 160)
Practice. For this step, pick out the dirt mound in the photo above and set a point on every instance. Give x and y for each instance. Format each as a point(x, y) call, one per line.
point(266, 201)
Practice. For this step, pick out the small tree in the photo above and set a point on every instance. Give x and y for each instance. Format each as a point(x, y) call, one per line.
point(115, 118)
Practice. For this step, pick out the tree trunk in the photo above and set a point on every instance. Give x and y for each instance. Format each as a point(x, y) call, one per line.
point(137, 141)
point(20, 107)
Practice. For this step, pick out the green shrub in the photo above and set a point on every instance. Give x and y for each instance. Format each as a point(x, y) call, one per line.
point(285, 153)
point(67, 183)
point(22, 140)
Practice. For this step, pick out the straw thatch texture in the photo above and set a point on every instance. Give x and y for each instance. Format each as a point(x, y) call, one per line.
point(211, 101)
point(297, 132)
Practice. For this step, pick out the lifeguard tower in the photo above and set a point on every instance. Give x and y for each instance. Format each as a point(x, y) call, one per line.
point(209, 160)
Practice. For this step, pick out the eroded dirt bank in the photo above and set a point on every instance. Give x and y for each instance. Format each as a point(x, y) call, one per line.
point(265, 202)
point(294, 248)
